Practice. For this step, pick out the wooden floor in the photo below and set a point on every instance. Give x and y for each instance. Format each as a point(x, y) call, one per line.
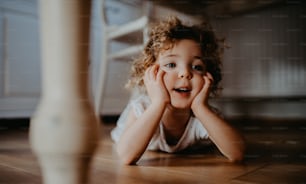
point(276, 154)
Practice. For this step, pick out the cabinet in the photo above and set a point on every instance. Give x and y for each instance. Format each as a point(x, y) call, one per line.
point(19, 58)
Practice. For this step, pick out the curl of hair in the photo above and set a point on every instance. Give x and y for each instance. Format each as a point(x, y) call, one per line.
point(164, 35)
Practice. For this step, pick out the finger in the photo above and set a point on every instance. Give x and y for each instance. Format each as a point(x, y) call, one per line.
point(145, 77)
point(160, 75)
point(209, 76)
point(146, 74)
point(151, 72)
point(207, 82)
point(156, 69)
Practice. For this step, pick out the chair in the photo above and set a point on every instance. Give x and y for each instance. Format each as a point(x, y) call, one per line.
point(130, 33)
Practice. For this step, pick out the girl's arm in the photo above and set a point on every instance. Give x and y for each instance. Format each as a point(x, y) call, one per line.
point(138, 133)
point(228, 140)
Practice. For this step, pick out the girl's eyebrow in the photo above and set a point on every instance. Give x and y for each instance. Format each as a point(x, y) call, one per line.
point(198, 57)
point(170, 55)
point(176, 55)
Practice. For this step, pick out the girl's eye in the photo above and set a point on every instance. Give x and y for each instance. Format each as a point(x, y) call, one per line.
point(199, 68)
point(170, 65)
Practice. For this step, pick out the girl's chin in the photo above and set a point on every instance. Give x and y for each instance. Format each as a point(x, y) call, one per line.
point(181, 105)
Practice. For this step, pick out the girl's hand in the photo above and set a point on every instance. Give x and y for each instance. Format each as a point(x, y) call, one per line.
point(153, 80)
point(203, 95)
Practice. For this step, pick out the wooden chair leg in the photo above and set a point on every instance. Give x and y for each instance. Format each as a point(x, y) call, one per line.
point(64, 130)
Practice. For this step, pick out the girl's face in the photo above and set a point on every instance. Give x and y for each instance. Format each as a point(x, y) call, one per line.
point(184, 71)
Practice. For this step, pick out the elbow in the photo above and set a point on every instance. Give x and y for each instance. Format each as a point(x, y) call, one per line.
point(128, 161)
point(236, 158)
point(126, 157)
point(238, 155)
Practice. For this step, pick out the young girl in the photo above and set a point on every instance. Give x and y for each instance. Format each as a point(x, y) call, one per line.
point(177, 72)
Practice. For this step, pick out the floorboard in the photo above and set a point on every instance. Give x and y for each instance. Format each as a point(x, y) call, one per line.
point(274, 155)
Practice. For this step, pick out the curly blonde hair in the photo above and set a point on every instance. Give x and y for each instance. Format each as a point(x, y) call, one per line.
point(164, 35)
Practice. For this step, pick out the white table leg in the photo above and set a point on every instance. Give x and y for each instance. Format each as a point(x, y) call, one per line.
point(64, 130)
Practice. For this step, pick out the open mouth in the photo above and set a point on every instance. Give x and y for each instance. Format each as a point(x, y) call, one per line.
point(182, 90)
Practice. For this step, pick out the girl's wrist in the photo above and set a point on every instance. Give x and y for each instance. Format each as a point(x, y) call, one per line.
point(200, 109)
point(160, 104)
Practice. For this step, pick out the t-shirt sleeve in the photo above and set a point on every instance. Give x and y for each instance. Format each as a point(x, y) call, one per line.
point(138, 106)
point(200, 131)
point(118, 130)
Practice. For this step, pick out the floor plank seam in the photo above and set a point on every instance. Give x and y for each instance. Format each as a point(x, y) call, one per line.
point(251, 171)
point(18, 169)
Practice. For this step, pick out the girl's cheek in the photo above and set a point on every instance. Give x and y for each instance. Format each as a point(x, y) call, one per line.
point(165, 78)
point(201, 83)
point(165, 69)
point(167, 81)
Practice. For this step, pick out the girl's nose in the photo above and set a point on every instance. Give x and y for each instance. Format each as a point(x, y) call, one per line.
point(185, 73)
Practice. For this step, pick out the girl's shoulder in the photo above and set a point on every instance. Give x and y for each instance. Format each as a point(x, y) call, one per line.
point(139, 103)
point(140, 98)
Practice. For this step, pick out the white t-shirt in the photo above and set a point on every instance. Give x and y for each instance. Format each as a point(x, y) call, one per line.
point(194, 134)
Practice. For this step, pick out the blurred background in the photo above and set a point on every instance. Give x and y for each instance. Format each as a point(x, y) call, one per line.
point(264, 69)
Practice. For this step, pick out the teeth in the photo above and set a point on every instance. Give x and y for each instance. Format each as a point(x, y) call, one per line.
point(182, 89)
